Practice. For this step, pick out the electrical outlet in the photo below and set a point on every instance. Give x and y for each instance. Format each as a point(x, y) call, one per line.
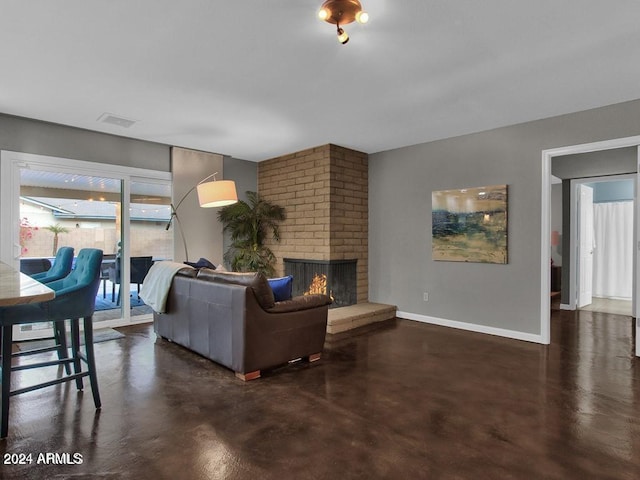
point(425, 296)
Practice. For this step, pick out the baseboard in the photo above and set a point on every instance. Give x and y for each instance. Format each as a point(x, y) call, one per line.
point(566, 306)
point(624, 299)
point(472, 327)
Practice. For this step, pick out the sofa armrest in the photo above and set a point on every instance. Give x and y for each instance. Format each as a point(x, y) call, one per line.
point(302, 302)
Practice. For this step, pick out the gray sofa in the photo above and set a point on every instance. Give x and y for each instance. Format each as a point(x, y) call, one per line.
point(233, 319)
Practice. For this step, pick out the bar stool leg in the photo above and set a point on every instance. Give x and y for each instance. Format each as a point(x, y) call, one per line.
point(91, 360)
point(75, 350)
point(7, 338)
point(60, 337)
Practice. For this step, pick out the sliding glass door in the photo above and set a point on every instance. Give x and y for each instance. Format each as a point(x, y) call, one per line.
point(149, 239)
point(62, 209)
point(51, 202)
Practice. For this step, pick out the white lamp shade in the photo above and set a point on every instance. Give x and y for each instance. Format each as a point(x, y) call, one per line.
point(217, 193)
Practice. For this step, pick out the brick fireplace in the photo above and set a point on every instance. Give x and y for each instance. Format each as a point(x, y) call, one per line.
point(324, 191)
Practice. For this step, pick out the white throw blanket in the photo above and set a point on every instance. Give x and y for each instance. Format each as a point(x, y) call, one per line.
point(156, 285)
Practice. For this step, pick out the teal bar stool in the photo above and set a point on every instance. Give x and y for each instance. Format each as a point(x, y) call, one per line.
point(61, 267)
point(75, 299)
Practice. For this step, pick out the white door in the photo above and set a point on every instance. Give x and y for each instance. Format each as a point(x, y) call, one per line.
point(585, 245)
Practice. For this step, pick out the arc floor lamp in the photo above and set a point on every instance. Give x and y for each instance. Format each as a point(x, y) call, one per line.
point(213, 193)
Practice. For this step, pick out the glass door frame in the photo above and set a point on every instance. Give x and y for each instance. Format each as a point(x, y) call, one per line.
point(10, 165)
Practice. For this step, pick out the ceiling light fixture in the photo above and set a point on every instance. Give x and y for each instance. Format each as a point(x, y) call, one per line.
point(342, 12)
point(343, 37)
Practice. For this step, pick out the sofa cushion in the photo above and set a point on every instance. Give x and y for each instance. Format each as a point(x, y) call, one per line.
point(257, 281)
point(281, 287)
point(302, 302)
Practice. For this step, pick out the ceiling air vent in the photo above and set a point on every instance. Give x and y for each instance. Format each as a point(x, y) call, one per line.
point(115, 120)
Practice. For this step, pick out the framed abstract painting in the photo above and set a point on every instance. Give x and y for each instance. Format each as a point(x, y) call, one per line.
point(470, 224)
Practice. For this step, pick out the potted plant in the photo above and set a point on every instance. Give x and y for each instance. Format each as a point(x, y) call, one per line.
point(249, 223)
point(56, 230)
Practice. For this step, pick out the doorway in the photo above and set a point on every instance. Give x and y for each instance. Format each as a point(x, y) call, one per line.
point(602, 238)
point(545, 271)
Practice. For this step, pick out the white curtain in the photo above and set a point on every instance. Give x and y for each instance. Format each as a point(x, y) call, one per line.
point(613, 253)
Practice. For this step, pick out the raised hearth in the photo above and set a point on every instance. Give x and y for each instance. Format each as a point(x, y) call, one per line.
point(354, 316)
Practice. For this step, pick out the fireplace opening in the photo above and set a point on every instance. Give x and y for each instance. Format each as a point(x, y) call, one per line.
point(336, 278)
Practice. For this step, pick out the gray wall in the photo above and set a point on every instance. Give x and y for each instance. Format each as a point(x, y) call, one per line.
point(595, 164)
point(245, 174)
point(400, 186)
point(202, 231)
point(19, 134)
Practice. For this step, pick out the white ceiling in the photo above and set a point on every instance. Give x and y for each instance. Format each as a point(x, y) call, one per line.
point(259, 78)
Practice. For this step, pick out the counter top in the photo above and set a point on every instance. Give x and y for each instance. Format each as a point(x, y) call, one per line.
point(17, 288)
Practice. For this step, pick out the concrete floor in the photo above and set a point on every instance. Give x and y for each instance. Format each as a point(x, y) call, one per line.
point(396, 400)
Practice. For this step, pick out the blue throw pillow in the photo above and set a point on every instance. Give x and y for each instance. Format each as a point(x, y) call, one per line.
point(281, 287)
point(202, 263)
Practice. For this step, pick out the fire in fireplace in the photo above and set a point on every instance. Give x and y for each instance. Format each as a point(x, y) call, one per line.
point(336, 278)
point(319, 285)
